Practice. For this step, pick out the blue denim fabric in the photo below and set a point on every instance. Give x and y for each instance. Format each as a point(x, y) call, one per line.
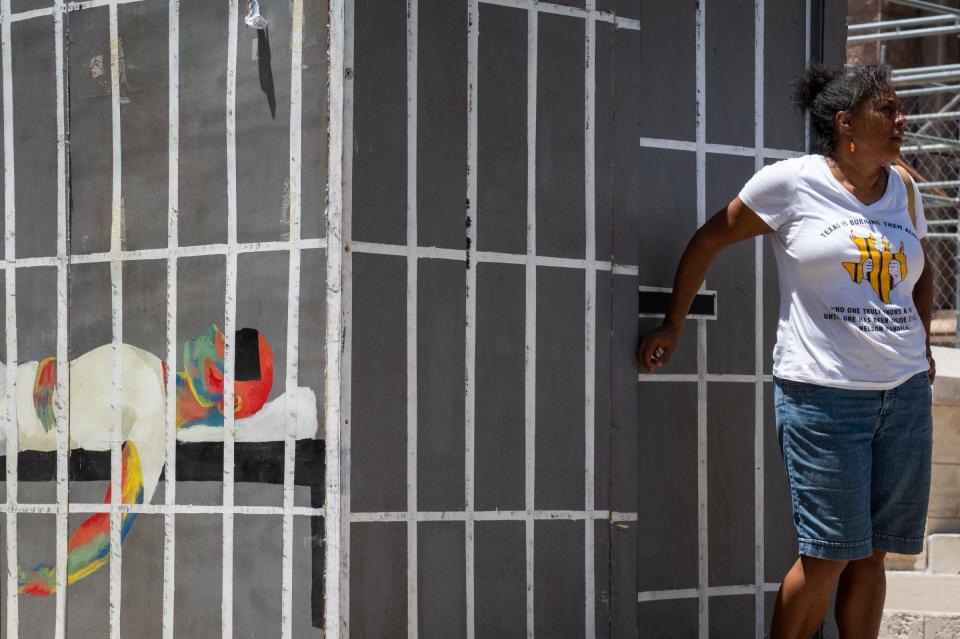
point(858, 463)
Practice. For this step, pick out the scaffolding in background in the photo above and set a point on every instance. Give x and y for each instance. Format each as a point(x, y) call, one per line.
point(930, 96)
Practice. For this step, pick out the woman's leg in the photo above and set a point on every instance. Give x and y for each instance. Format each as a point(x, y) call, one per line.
point(860, 596)
point(804, 597)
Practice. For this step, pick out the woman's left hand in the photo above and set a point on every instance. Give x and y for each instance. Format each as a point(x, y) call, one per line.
point(933, 365)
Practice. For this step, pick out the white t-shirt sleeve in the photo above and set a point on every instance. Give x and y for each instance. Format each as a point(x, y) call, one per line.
point(921, 228)
point(770, 193)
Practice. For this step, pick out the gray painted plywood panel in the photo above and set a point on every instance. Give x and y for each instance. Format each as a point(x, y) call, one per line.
point(623, 8)
point(500, 580)
point(500, 413)
point(603, 128)
point(667, 480)
point(203, 128)
point(835, 32)
point(779, 534)
point(312, 352)
point(630, 182)
point(380, 122)
point(36, 543)
point(36, 306)
point(314, 117)
point(379, 384)
point(197, 592)
point(34, 129)
point(144, 123)
point(308, 541)
point(442, 124)
point(145, 305)
point(262, 304)
point(558, 579)
point(730, 482)
point(731, 337)
point(769, 601)
point(603, 341)
point(670, 619)
point(669, 34)
point(602, 581)
point(378, 581)
point(560, 389)
point(257, 575)
point(624, 410)
point(502, 130)
point(141, 604)
point(28, 5)
point(771, 304)
point(440, 364)
point(263, 128)
point(784, 59)
point(441, 581)
point(654, 211)
point(91, 154)
point(729, 72)
point(622, 568)
point(560, 141)
point(90, 325)
point(732, 617)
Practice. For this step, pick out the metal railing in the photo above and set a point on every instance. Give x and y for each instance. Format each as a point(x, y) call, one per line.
point(930, 96)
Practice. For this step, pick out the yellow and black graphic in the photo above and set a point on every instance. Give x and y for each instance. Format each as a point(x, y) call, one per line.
point(878, 265)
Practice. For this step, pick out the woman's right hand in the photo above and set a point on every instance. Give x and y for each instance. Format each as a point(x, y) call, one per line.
point(657, 346)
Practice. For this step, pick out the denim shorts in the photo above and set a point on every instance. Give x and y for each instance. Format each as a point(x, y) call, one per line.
point(858, 463)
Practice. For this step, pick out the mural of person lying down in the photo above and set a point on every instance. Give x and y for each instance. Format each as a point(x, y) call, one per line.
point(199, 420)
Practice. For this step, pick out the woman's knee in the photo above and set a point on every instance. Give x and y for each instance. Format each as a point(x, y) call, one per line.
point(876, 561)
point(817, 569)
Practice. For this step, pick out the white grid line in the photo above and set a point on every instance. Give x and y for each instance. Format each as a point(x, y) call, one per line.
point(116, 285)
point(10, 296)
point(494, 515)
point(170, 435)
point(470, 312)
point(229, 324)
point(589, 338)
point(155, 509)
point(411, 318)
point(712, 591)
point(589, 13)
point(702, 484)
point(293, 317)
point(62, 392)
point(717, 149)
point(530, 319)
point(758, 477)
point(170, 252)
point(338, 329)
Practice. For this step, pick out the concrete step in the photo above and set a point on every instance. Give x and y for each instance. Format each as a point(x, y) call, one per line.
point(943, 554)
point(921, 606)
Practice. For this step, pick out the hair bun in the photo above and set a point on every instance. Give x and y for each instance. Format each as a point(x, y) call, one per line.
point(811, 83)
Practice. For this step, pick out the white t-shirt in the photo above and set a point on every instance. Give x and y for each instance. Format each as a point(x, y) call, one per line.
point(847, 272)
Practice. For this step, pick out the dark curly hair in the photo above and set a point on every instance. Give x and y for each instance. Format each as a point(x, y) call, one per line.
point(824, 90)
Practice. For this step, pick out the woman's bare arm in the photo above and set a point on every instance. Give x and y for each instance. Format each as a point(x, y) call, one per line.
point(923, 301)
point(734, 223)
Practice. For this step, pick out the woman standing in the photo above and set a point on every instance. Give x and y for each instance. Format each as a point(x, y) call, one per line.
point(852, 364)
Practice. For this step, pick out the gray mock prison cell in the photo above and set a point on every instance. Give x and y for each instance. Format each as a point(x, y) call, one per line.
point(514, 171)
point(505, 174)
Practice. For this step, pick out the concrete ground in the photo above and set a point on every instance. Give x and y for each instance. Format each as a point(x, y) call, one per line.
point(921, 606)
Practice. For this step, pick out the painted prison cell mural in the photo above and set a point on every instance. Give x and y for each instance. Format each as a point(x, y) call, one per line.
point(164, 301)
